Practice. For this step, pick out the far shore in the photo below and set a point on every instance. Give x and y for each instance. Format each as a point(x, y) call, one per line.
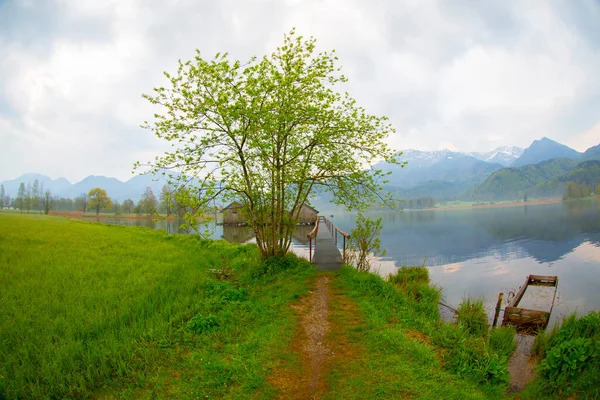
point(82, 215)
point(496, 205)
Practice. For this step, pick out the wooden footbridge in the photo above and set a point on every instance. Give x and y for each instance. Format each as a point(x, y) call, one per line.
point(323, 240)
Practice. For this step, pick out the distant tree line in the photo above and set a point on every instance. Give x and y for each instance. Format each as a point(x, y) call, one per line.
point(577, 191)
point(32, 197)
point(418, 203)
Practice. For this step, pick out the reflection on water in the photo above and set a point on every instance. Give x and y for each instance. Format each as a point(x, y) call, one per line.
point(480, 252)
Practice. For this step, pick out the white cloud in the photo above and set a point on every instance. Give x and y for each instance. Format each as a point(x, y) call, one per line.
point(447, 75)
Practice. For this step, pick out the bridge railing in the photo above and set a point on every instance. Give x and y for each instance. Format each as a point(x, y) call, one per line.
point(335, 231)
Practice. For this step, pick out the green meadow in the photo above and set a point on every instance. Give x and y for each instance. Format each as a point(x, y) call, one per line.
point(90, 310)
point(107, 312)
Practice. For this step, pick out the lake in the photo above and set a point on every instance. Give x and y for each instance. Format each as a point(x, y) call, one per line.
point(482, 251)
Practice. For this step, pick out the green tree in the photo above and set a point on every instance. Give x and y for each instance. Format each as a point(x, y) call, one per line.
point(81, 202)
point(267, 133)
point(98, 200)
point(28, 197)
point(127, 206)
point(47, 202)
point(36, 194)
point(20, 200)
point(365, 243)
point(149, 203)
point(166, 200)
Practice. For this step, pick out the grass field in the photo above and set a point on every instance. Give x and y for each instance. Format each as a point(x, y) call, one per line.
point(120, 312)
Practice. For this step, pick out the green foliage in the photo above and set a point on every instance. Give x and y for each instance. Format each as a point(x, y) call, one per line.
point(502, 340)
point(587, 173)
point(98, 200)
point(472, 316)
point(570, 355)
point(267, 133)
point(576, 191)
point(539, 180)
point(567, 360)
point(98, 311)
point(364, 243)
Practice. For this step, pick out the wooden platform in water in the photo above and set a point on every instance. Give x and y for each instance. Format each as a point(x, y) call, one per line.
point(524, 318)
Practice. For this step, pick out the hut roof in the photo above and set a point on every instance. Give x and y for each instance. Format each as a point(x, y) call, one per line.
point(310, 207)
point(235, 204)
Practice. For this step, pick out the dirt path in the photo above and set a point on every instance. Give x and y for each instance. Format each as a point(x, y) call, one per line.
point(319, 342)
point(521, 366)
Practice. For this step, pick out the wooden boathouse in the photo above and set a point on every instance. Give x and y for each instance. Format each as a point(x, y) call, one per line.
point(233, 216)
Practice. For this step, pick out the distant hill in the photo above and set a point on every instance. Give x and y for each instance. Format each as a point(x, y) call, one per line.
point(54, 185)
point(539, 179)
point(116, 189)
point(545, 149)
point(593, 153)
point(586, 173)
point(443, 166)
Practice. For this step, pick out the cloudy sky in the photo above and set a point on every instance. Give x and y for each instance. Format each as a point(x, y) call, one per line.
point(463, 75)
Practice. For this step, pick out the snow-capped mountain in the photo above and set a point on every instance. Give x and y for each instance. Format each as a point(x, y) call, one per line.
point(504, 155)
point(421, 159)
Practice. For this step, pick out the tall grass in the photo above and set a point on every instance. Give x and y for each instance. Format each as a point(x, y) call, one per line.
point(409, 351)
point(502, 340)
point(472, 316)
point(87, 306)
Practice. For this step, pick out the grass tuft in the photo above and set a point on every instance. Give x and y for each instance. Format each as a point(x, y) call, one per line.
point(502, 340)
point(472, 316)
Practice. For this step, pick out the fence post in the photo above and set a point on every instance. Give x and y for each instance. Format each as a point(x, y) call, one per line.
point(498, 307)
point(310, 250)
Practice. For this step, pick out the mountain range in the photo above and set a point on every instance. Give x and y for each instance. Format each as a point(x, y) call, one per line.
point(443, 174)
point(116, 189)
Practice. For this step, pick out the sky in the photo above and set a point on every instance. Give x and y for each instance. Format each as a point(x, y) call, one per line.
point(463, 75)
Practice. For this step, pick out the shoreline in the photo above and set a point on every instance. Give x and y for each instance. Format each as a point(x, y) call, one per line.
point(497, 205)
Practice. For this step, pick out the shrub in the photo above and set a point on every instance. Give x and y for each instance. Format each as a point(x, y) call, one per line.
point(571, 357)
point(364, 243)
point(472, 316)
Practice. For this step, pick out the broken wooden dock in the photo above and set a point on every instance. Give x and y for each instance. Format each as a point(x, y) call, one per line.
point(524, 318)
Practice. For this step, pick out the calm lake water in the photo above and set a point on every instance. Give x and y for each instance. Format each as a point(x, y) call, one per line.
point(482, 252)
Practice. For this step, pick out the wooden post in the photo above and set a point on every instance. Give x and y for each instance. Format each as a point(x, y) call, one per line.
point(310, 250)
point(344, 252)
point(498, 306)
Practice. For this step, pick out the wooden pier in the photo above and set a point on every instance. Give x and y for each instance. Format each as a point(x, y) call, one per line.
point(323, 250)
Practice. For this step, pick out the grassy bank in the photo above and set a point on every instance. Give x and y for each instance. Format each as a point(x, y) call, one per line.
point(409, 352)
point(570, 360)
point(121, 312)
